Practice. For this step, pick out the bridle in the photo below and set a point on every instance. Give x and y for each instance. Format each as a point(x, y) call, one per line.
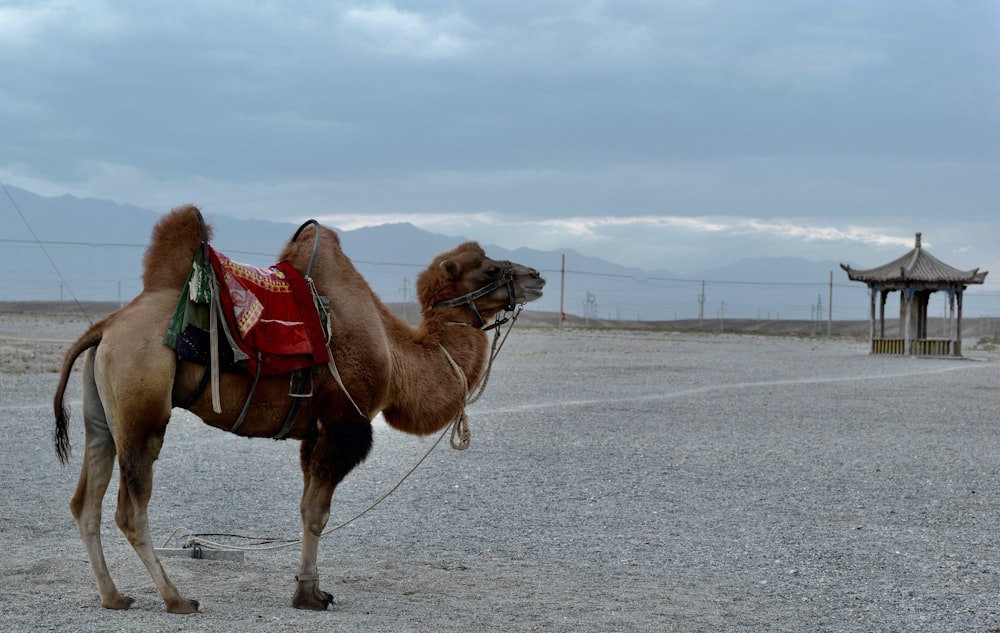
point(460, 435)
point(506, 278)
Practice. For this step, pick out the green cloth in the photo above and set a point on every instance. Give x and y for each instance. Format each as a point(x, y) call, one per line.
point(194, 307)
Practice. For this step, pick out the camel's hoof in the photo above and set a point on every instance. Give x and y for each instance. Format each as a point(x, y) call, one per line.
point(118, 601)
point(313, 601)
point(184, 607)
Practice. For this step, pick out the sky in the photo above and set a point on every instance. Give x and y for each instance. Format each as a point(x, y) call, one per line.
point(662, 134)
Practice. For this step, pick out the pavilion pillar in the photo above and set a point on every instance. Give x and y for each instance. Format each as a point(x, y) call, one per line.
point(958, 325)
point(952, 333)
point(907, 299)
point(923, 299)
point(871, 319)
point(884, 294)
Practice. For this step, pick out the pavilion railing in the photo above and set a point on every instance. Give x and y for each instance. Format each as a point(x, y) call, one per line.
point(918, 347)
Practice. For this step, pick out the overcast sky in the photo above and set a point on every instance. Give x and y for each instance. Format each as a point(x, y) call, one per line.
point(660, 133)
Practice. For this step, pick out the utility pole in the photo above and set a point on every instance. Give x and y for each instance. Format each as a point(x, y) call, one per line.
point(562, 290)
point(406, 299)
point(701, 306)
point(829, 307)
point(818, 311)
point(590, 307)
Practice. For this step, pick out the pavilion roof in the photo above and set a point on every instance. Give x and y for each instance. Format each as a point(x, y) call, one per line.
point(918, 265)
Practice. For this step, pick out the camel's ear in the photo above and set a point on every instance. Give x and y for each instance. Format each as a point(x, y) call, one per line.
point(450, 269)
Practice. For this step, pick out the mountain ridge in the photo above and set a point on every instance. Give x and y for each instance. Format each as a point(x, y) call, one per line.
point(98, 244)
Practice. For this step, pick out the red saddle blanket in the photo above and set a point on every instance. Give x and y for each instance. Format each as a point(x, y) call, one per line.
point(272, 315)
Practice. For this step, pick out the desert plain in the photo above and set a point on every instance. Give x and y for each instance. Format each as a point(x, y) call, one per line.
point(617, 480)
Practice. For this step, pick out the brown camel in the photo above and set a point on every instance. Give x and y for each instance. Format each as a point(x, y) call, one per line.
point(132, 380)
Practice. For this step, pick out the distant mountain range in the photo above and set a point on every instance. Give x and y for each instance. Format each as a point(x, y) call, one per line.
point(92, 249)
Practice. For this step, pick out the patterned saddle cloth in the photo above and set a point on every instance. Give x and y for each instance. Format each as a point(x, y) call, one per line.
point(271, 319)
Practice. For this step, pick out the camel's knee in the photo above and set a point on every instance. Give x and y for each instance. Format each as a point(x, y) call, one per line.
point(133, 495)
point(315, 506)
point(314, 519)
point(316, 527)
point(79, 500)
point(78, 505)
point(342, 446)
point(123, 515)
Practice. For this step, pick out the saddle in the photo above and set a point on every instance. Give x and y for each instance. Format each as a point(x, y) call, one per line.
point(272, 321)
point(275, 313)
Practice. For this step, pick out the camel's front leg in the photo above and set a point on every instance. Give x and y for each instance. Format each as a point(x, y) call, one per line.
point(325, 462)
point(315, 511)
point(314, 517)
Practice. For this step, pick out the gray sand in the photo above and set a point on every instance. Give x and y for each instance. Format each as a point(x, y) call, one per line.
point(617, 481)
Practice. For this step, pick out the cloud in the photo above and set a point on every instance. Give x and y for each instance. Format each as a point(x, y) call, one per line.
point(387, 30)
point(33, 22)
point(21, 24)
point(616, 232)
point(662, 133)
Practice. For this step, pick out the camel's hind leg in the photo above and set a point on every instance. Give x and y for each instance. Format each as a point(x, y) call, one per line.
point(98, 464)
point(136, 465)
point(138, 413)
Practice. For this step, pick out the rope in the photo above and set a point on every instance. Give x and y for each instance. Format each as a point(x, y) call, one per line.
point(460, 436)
point(494, 352)
point(194, 540)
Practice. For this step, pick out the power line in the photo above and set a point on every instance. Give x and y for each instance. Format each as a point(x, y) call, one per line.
point(37, 242)
point(44, 250)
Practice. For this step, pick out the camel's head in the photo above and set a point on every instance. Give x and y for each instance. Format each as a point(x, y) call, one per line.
point(465, 276)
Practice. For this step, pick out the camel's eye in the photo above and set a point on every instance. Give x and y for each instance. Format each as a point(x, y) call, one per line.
point(493, 272)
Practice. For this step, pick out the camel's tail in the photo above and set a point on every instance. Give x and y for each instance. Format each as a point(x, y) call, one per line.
point(89, 339)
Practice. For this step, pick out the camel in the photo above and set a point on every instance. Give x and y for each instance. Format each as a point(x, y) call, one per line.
point(418, 377)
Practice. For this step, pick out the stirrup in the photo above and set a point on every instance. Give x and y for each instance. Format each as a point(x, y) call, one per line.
point(293, 391)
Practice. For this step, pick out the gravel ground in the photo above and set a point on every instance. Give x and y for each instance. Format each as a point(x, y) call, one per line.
point(617, 481)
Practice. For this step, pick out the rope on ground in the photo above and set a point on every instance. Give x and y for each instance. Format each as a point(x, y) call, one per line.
point(195, 540)
point(459, 436)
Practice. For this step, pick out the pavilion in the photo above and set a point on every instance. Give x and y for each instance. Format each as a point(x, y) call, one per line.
point(916, 275)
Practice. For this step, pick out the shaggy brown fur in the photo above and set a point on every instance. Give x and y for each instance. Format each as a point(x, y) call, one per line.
point(131, 381)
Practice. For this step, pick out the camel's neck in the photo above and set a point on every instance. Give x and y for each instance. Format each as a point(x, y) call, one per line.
point(427, 391)
point(466, 345)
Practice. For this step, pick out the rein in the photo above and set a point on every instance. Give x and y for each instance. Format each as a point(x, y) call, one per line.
point(300, 392)
point(312, 258)
point(461, 436)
